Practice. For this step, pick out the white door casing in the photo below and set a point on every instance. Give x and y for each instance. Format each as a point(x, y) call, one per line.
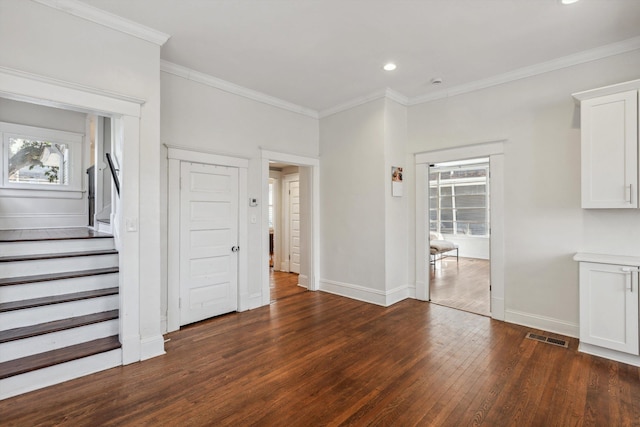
point(313, 247)
point(494, 150)
point(208, 241)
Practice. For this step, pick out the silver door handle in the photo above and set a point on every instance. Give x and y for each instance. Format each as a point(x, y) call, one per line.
point(235, 248)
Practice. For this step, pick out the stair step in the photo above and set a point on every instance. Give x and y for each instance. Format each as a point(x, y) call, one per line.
point(55, 326)
point(38, 302)
point(54, 357)
point(34, 257)
point(56, 276)
point(51, 234)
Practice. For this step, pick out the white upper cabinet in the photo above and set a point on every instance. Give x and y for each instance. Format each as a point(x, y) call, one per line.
point(609, 149)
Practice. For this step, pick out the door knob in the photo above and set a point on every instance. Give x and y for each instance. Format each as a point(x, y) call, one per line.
point(235, 248)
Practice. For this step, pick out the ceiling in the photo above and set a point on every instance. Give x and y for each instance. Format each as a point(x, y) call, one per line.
point(319, 54)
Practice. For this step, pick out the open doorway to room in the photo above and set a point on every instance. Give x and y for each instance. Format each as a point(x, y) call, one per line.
point(285, 223)
point(459, 234)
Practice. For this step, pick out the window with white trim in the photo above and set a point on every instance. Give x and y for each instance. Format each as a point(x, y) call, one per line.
point(40, 159)
point(459, 198)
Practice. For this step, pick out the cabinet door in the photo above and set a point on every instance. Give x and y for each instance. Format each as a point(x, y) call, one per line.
point(609, 307)
point(610, 151)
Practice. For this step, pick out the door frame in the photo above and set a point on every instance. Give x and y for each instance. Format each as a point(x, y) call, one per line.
point(495, 151)
point(177, 155)
point(313, 255)
point(286, 211)
point(126, 111)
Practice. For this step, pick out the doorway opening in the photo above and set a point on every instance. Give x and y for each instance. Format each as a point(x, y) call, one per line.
point(459, 234)
point(285, 224)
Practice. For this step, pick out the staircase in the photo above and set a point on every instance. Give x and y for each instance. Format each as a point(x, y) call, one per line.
point(58, 307)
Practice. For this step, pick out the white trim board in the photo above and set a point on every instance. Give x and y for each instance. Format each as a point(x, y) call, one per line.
point(206, 79)
point(542, 322)
point(368, 295)
point(107, 19)
point(42, 90)
point(601, 52)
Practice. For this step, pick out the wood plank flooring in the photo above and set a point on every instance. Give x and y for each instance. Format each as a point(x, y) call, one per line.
point(323, 360)
point(283, 285)
point(463, 285)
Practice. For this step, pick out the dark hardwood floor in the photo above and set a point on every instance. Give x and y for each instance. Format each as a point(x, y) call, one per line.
point(463, 285)
point(322, 360)
point(283, 285)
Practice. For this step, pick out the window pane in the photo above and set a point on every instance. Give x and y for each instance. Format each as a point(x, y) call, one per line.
point(473, 215)
point(446, 214)
point(470, 189)
point(38, 162)
point(470, 201)
point(433, 214)
point(479, 229)
point(446, 227)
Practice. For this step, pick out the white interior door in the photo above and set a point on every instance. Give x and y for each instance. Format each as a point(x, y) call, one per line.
point(294, 226)
point(208, 241)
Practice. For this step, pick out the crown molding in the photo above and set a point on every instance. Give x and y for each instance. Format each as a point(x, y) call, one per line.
point(115, 22)
point(352, 104)
point(206, 79)
point(544, 67)
point(386, 93)
point(396, 96)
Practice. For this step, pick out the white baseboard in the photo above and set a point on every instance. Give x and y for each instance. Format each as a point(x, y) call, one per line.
point(497, 308)
point(542, 322)
point(618, 356)
point(151, 347)
point(254, 301)
point(362, 293)
point(57, 374)
point(303, 281)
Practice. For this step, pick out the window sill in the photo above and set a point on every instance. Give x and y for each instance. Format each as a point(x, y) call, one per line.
point(41, 194)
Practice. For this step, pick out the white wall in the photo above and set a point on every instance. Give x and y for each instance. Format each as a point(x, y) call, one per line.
point(352, 211)
point(41, 40)
point(201, 117)
point(544, 224)
point(396, 208)
point(470, 246)
point(31, 212)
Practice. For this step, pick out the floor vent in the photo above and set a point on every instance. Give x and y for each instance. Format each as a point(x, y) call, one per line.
point(549, 340)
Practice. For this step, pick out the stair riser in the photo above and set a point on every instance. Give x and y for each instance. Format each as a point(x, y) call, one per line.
point(57, 265)
point(41, 378)
point(42, 343)
point(57, 287)
point(55, 246)
point(49, 313)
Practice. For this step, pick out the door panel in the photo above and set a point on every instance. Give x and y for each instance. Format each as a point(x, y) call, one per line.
point(208, 231)
point(294, 228)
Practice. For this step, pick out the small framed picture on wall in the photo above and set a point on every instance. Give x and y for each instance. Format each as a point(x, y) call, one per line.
point(396, 181)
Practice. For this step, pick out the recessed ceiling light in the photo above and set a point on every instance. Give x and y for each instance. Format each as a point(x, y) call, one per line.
point(389, 67)
point(568, 1)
